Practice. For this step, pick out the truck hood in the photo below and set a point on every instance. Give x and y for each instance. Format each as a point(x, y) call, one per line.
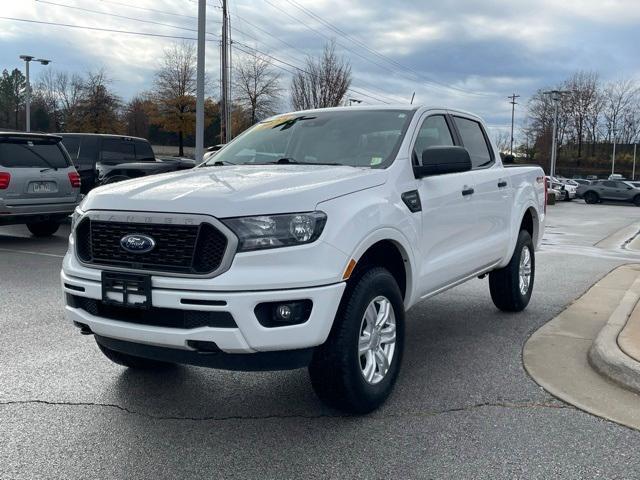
point(235, 190)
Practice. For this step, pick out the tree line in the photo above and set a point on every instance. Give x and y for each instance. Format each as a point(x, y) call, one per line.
point(592, 115)
point(165, 113)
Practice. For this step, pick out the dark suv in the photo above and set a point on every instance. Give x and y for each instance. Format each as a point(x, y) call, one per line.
point(102, 159)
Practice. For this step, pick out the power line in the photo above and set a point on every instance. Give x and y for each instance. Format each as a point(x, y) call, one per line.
point(121, 4)
point(110, 30)
point(362, 45)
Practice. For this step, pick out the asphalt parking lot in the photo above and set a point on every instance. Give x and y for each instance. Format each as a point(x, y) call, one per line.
point(464, 406)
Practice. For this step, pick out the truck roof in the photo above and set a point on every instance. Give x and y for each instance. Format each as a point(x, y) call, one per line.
point(107, 135)
point(398, 106)
point(18, 134)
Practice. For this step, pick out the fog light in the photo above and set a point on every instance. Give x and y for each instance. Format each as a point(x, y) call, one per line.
point(280, 314)
point(283, 313)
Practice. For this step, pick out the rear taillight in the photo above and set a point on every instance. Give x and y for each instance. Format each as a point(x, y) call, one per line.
point(5, 178)
point(74, 179)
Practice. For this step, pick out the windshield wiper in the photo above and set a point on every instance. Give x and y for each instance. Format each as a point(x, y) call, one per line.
point(217, 163)
point(291, 122)
point(49, 168)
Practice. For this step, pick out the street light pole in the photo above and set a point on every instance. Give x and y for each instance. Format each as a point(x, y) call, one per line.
point(27, 107)
point(557, 96)
point(513, 111)
point(633, 170)
point(202, 14)
point(613, 157)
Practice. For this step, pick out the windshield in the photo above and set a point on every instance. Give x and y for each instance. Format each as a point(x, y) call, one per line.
point(31, 153)
point(358, 138)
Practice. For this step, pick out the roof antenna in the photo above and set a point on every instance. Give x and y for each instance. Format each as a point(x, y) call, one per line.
point(412, 97)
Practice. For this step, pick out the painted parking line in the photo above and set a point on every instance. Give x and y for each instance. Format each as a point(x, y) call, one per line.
point(28, 252)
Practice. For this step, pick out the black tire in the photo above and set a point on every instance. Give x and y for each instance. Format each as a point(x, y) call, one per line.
point(591, 197)
point(636, 200)
point(504, 284)
point(43, 229)
point(335, 370)
point(131, 361)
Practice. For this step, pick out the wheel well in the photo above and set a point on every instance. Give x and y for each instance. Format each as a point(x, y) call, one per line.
point(386, 254)
point(529, 223)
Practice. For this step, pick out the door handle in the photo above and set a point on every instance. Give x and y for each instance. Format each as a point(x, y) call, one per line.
point(502, 184)
point(467, 191)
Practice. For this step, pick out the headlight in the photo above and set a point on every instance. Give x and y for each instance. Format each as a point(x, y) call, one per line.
point(75, 216)
point(272, 231)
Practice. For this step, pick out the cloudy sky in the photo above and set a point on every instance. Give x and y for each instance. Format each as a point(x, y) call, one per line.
point(469, 54)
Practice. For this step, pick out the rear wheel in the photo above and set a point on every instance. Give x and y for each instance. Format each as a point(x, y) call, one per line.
point(131, 361)
point(43, 229)
point(636, 200)
point(356, 368)
point(512, 285)
point(591, 197)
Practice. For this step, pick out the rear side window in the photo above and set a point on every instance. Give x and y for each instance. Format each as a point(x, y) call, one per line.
point(31, 153)
point(88, 151)
point(73, 147)
point(610, 184)
point(117, 150)
point(144, 153)
point(474, 140)
point(433, 132)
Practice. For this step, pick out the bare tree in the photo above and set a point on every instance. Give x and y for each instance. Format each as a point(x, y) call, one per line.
point(581, 103)
point(257, 88)
point(502, 139)
point(323, 83)
point(98, 108)
point(620, 97)
point(175, 89)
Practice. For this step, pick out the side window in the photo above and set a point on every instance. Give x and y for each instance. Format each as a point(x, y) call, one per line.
point(117, 150)
point(72, 145)
point(433, 132)
point(473, 139)
point(144, 153)
point(88, 151)
point(610, 184)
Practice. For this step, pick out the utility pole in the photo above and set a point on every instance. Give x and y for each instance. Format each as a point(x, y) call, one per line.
point(557, 96)
point(513, 111)
point(27, 59)
point(202, 14)
point(225, 114)
point(613, 157)
point(633, 171)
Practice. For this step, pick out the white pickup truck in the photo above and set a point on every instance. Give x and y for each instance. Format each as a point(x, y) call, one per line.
point(302, 243)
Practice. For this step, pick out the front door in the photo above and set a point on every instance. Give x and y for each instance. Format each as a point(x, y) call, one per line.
point(448, 219)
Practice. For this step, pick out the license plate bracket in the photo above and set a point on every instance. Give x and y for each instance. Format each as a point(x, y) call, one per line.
point(126, 290)
point(42, 187)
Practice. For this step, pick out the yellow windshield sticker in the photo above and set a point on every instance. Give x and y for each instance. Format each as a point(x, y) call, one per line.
point(274, 122)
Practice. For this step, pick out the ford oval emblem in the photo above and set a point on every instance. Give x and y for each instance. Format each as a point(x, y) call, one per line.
point(135, 243)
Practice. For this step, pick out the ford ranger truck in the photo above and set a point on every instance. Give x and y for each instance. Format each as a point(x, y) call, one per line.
point(302, 243)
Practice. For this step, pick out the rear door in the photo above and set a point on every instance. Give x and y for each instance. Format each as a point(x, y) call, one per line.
point(493, 196)
point(612, 190)
point(39, 169)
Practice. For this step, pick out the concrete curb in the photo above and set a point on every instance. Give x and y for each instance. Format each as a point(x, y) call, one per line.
point(605, 355)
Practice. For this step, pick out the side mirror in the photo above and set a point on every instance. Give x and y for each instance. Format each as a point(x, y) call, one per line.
point(443, 160)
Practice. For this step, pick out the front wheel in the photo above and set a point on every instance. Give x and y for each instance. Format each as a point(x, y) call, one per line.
point(356, 368)
point(511, 286)
point(591, 197)
point(43, 229)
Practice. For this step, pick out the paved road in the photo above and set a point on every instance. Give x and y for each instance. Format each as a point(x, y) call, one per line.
point(463, 407)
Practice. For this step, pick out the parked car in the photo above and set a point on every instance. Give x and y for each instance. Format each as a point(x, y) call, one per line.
point(582, 181)
point(616, 176)
point(102, 159)
point(307, 248)
point(592, 177)
point(609, 190)
point(634, 184)
point(566, 191)
point(39, 186)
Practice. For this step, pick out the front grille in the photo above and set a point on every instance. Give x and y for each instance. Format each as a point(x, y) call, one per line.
point(182, 249)
point(154, 316)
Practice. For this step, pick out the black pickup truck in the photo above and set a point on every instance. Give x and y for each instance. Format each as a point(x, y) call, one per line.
point(102, 159)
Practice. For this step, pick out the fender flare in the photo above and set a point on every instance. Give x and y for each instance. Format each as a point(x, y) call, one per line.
point(404, 246)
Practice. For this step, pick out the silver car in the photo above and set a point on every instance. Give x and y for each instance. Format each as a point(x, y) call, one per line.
point(609, 190)
point(39, 186)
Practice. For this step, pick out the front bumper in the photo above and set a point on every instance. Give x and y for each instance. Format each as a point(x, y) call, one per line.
point(249, 336)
